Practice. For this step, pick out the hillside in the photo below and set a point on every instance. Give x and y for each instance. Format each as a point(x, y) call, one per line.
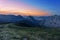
point(12, 32)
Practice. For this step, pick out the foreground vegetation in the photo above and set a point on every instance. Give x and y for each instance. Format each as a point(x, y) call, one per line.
point(13, 32)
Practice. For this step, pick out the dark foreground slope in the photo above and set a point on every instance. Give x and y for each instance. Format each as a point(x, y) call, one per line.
point(13, 32)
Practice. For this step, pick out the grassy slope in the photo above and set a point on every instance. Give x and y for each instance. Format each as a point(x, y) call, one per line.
point(31, 33)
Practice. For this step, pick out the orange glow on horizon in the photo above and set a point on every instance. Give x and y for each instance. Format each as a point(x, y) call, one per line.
point(25, 12)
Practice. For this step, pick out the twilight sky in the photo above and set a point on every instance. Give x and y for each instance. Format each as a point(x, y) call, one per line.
point(30, 7)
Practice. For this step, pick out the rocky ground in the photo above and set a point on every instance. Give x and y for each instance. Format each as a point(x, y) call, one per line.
point(13, 32)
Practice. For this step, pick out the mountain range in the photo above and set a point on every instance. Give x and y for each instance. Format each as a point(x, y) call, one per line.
point(34, 21)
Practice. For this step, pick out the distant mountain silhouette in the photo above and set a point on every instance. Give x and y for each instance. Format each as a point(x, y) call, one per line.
point(10, 18)
point(31, 21)
point(44, 21)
